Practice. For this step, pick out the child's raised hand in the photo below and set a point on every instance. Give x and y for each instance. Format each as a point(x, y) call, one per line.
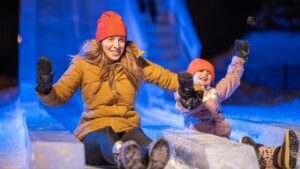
point(242, 49)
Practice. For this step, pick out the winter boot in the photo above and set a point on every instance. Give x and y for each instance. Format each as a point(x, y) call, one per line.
point(267, 154)
point(117, 153)
point(256, 146)
point(285, 156)
point(128, 155)
point(159, 154)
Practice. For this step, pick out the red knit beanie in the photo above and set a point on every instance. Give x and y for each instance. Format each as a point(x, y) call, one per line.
point(201, 64)
point(110, 24)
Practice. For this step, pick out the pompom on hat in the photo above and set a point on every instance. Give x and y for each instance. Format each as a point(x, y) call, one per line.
point(201, 64)
point(110, 24)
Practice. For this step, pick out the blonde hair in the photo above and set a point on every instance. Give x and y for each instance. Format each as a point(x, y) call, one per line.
point(93, 52)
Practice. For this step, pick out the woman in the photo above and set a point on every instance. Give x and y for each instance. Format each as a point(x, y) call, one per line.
point(208, 116)
point(109, 71)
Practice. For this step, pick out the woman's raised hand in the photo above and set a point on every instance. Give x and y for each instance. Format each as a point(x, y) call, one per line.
point(44, 75)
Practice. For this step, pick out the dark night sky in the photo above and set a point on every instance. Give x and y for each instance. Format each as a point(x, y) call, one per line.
point(8, 43)
point(219, 22)
point(8, 39)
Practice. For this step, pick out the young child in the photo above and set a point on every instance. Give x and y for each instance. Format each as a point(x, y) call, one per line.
point(208, 116)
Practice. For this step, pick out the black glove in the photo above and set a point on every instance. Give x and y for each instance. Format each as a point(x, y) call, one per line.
point(189, 98)
point(242, 49)
point(44, 75)
point(186, 86)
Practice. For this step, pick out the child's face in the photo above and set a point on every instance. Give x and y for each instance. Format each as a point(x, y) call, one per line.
point(203, 77)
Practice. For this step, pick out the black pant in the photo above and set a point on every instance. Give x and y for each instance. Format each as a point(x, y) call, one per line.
point(98, 144)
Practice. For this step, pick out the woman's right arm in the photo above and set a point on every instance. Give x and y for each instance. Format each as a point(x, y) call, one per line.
point(67, 85)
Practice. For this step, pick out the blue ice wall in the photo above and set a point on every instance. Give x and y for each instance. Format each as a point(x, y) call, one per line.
point(274, 59)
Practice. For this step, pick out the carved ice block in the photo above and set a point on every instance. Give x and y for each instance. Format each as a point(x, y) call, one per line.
point(192, 149)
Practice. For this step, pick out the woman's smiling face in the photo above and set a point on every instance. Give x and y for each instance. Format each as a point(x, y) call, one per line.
point(113, 47)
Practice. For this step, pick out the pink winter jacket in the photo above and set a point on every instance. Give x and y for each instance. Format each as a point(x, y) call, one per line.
point(211, 108)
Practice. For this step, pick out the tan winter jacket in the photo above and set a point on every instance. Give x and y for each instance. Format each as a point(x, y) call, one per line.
point(103, 109)
point(211, 108)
